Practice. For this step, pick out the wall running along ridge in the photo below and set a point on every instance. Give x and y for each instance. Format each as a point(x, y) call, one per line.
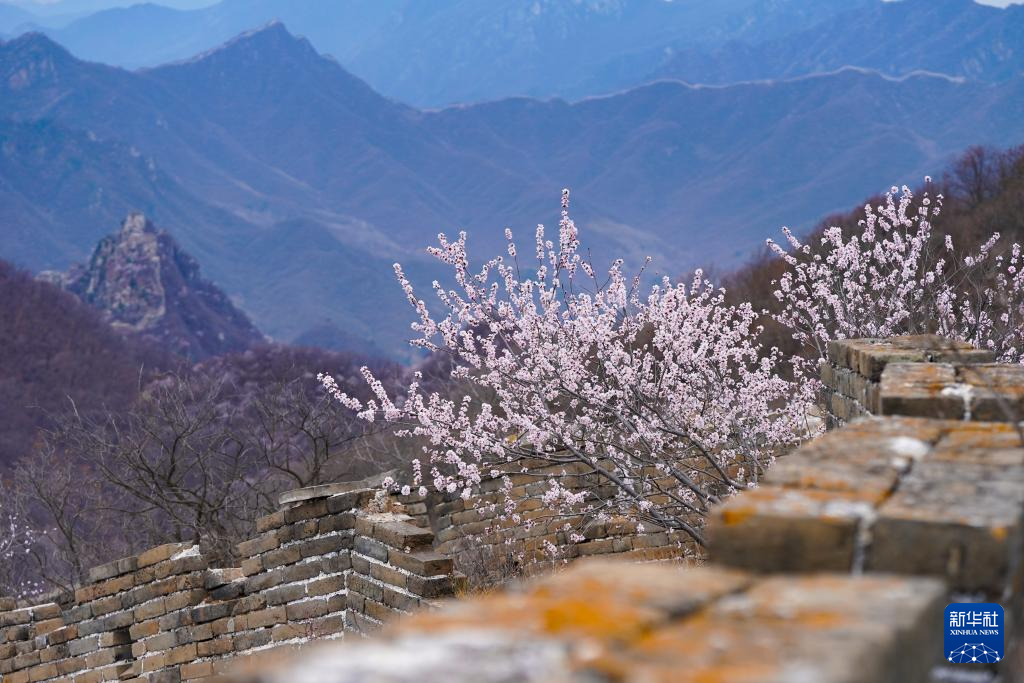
point(330, 562)
point(835, 569)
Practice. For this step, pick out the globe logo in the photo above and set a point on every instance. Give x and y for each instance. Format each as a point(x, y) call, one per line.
point(974, 633)
point(979, 652)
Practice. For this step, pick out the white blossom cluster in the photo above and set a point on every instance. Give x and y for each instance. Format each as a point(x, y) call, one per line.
point(666, 397)
point(17, 540)
point(894, 277)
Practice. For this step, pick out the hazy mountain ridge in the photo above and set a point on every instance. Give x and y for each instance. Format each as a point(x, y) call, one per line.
point(438, 53)
point(21, 15)
point(959, 38)
point(12, 17)
point(444, 51)
point(296, 185)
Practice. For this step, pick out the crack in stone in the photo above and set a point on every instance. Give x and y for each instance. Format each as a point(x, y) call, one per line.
point(908, 451)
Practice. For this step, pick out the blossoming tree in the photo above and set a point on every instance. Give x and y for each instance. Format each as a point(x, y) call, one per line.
point(895, 276)
point(17, 539)
point(664, 401)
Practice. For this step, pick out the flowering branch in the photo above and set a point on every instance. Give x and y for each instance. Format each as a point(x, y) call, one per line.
point(896, 277)
point(17, 540)
point(668, 399)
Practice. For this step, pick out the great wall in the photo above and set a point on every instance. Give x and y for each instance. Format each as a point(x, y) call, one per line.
point(836, 568)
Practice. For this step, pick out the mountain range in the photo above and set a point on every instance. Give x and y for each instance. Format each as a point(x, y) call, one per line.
point(296, 185)
point(58, 13)
point(442, 52)
point(960, 39)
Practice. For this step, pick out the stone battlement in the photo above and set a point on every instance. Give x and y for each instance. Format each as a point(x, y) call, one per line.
point(923, 376)
point(319, 568)
point(835, 570)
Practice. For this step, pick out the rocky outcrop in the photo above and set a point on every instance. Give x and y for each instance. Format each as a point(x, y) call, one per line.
point(145, 284)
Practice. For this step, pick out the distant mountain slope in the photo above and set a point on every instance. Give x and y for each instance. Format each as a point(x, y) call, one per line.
point(439, 52)
point(62, 187)
point(697, 172)
point(297, 186)
point(447, 51)
point(954, 37)
point(57, 349)
point(145, 284)
point(72, 8)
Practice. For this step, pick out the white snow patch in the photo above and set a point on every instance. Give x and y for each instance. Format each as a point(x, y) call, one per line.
point(848, 508)
point(965, 392)
point(907, 448)
point(188, 552)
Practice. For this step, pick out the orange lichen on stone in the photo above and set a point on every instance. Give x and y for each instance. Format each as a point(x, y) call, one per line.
point(737, 514)
point(778, 501)
point(602, 617)
point(595, 618)
point(673, 592)
point(596, 600)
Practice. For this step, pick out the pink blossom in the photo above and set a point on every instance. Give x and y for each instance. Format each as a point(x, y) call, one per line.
point(666, 397)
point(891, 279)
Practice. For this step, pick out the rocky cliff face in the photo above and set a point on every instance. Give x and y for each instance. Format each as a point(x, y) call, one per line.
point(146, 285)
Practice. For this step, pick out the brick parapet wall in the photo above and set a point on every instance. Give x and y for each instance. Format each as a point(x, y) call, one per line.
point(477, 523)
point(322, 566)
point(92, 638)
point(317, 569)
point(870, 377)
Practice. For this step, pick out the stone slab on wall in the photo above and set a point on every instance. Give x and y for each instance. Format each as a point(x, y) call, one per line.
point(912, 375)
point(992, 392)
point(895, 495)
point(859, 497)
point(615, 621)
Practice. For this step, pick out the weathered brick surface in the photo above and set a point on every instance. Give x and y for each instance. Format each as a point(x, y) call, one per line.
point(859, 497)
point(908, 496)
point(922, 375)
point(986, 393)
point(613, 621)
point(166, 616)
